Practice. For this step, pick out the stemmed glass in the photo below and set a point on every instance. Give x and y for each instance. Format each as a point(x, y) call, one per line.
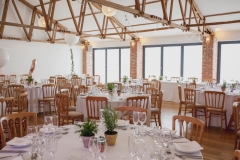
point(52, 146)
point(31, 135)
point(142, 119)
point(93, 146)
point(135, 118)
point(139, 148)
point(166, 136)
point(42, 147)
point(48, 123)
point(102, 144)
point(131, 140)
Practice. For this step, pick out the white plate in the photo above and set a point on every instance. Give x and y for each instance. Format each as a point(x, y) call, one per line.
point(18, 142)
point(189, 147)
point(122, 123)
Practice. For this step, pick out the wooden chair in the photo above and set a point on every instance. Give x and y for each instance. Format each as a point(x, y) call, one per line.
point(12, 78)
point(175, 78)
point(236, 155)
point(146, 85)
point(194, 127)
point(12, 126)
point(14, 90)
point(2, 77)
point(138, 101)
point(61, 83)
point(6, 105)
point(76, 92)
point(156, 84)
point(191, 85)
point(23, 102)
point(231, 121)
point(64, 114)
point(76, 81)
point(190, 103)
point(48, 93)
point(151, 77)
point(214, 102)
point(127, 112)
point(192, 79)
point(119, 85)
point(89, 81)
point(96, 79)
point(94, 104)
point(236, 114)
point(3, 91)
point(181, 101)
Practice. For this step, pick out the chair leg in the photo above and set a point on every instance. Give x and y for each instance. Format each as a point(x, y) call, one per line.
point(210, 115)
point(159, 120)
point(180, 108)
point(155, 119)
point(221, 122)
point(225, 115)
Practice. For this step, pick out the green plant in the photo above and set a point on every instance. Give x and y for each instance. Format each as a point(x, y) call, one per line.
point(110, 86)
point(72, 63)
point(118, 90)
point(125, 78)
point(224, 85)
point(88, 128)
point(160, 78)
point(29, 79)
point(110, 118)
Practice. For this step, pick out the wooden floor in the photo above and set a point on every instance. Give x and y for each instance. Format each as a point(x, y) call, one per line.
point(217, 145)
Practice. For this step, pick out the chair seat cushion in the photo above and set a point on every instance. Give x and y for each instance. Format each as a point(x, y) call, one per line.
point(72, 108)
point(72, 114)
point(15, 109)
point(200, 105)
point(154, 110)
point(214, 110)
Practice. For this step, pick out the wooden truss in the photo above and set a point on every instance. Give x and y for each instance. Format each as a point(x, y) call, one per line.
point(193, 19)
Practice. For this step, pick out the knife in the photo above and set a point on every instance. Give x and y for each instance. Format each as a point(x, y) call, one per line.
point(12, 151)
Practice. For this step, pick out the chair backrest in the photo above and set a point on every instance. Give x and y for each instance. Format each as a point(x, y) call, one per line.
point(61, 83)
point(191, 85)
point(3, 91)
point(180, 94)
point(159, 100)
point(193, 127)
point(146, 85)
point(154, 92)
point(89, 81)
point(13, 125)
point(12, 90)
point(175, 78)
point(6, 105)
point(96, 79)
point(49, 90)
point(190, 96)
point(62, 104)
point(156, 83)
point(192, 79)
point(119, 85)
point(236, 155)
point(214, 99)
point(209, 80)
point(94, 104)
point(76, 92)
point(127, 111)
point(22, 102)
point(12, 78)
point(76, 81)
point(2, 77)
point(138, 101)
point(23, 76)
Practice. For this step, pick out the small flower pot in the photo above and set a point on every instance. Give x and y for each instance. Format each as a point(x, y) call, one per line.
point(223, 89)
point(111, 138)
point(119, 93)
point(85, 140)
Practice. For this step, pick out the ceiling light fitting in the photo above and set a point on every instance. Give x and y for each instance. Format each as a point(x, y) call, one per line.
point(108, 11)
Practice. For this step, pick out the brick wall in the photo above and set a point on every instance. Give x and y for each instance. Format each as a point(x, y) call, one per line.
point(209, 58)
point(87, 61)
point(136, 54)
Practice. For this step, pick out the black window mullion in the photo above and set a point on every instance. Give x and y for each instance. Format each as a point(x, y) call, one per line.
point(120, 54)
point(182, 61)
point(93, 69)
point(105, 65)
point(143, 71)
point(162, 60)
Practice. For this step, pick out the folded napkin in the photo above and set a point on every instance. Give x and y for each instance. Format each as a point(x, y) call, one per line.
point(122, 122)
point(18, 158)
point(172, 131)
point(188, 147)
point(180, 140)
point(16, 141)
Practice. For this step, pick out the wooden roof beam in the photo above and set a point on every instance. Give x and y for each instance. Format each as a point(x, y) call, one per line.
point(120, 35)
point(44, 14)
point(4, 17)
point(95, 18)
point(51, 10)
point(164, 9)
point(72, 14)
point(83, 17)
point(32, 23)
point(20, 19)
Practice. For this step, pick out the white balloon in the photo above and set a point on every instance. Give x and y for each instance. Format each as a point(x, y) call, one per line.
point(4, 57)
point(71, 39)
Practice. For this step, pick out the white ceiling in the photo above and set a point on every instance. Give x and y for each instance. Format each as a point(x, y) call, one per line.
point(207, 7)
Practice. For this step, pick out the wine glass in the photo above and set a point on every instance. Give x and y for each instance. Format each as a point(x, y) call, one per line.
point(40, 130)
point(42, 147)
point(166, 136)
point(135, 118)
point(48, 122)
point(55, 122)
point(76, 121)
point(102, 144)
point(93, 146)
point(142, 119)
point(139, 148)
point(31, 132)
point(156, 152)
point(131, 140)
point(52, 146)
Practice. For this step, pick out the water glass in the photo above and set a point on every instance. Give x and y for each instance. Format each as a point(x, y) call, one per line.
point(103, 148)
point(166, 136)
point(48, 121)
point(41, 130)
point(76, 121)
point(31, 132)
point(135, 118)
point(52, 146)
point(156, 152)
point(131, 140)
point(93, 146)
point(139, 148)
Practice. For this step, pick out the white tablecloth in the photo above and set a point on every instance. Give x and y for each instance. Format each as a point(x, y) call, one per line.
point(71, 144)
point(81, 105)
point(171, 90)
point(34, 93)
point(229, 99)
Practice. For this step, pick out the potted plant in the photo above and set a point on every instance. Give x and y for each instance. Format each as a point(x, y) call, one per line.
point(119, 92)
point(224, 86)
point(110, 87)
point(160, 78)
point(110, 120)
point(194, 80)
point(125, 79)
point(87, 130)
point(36, 83)
point(29, 80)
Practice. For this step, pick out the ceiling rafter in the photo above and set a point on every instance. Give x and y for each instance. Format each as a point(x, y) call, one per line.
point(44, 14)
point(4, 16)
point(32, 23)
point(95, 18)
point(182, 12)
point(120, 35)
point(20, 19)
point(164, 9)
point(72, 14)
point(80, 17)
point(51, 11)
point(83, 17)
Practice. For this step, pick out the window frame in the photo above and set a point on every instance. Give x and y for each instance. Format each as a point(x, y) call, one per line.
point(105, 49)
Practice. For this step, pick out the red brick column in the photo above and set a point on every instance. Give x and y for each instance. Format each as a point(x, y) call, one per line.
point(87, 61)
point(209, 58)
point(136, 59)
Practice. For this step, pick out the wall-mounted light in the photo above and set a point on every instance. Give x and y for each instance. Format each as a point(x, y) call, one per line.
point(132, 43)
point(41, 22)
point(207, 39)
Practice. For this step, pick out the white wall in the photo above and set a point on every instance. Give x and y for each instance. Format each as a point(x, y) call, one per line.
point(221, 36)
point(52, 59)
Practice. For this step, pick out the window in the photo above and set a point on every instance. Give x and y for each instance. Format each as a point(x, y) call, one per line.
point(172, 61)
point(229, 61)
point(111, 63)
point(152, 61)
point(192, 63)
